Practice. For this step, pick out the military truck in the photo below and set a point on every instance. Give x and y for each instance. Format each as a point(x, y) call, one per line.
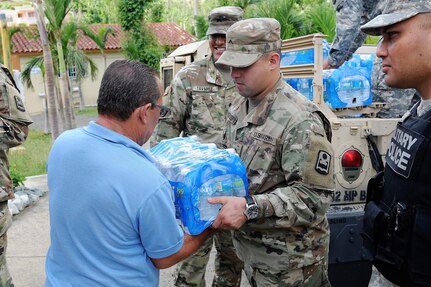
point(359, 144)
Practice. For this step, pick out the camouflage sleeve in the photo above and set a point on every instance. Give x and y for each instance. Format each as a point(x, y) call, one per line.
point(14, 121)
point(176, 98)
point(348, 34)
point(307, 163)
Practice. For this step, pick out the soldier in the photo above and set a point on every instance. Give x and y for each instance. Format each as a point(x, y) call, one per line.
point(199, 97)
point(398, 217)
point(350, 15)
point(282, 232)
point(14, 130)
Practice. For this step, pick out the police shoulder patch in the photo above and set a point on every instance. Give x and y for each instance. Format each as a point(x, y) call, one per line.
point(323, 162)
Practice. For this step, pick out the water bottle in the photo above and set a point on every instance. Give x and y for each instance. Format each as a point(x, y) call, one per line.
point(305, 87)
point(347, 87)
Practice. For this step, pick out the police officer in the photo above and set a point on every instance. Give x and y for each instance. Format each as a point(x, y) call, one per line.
point(282, 233)
point(14, 121)
point(398, 218)
point(350, 15)
point(198, 98)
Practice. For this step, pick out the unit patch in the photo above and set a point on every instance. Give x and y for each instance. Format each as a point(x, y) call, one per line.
point(323, 162)
point(19, 104)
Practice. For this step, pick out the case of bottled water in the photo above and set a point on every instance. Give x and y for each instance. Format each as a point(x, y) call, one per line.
point(196, 172)
point(347, 86)
point(302, 57)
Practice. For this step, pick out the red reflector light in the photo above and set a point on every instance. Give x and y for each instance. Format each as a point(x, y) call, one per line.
point(351, 158)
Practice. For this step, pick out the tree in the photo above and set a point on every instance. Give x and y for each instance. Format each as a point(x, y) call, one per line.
point(100, 38)
point(49, 70)
point(56, 11)
point(287, 12)
point(321, 18)
point(141, 43)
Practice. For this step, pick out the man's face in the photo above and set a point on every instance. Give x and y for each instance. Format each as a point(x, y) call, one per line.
point(253, 80)
point(217, 43)
point(405, 53)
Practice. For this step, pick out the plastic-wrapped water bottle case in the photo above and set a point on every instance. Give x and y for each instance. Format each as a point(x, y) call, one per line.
point(196, 172)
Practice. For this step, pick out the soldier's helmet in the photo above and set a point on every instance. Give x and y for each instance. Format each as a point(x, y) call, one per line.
point(221, 18)
point(396, 11)
point(248, 40)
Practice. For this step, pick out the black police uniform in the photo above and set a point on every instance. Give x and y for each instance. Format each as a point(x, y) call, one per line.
point(397, 220)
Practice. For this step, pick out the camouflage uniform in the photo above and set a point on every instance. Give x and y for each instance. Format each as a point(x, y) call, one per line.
point(289, 160)
point(199, 97)
point(14, 121)
point(351, 14)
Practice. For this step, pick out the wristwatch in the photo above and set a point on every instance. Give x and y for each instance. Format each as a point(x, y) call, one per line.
point(251, 208)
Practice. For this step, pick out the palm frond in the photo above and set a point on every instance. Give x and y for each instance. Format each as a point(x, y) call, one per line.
point(29, 66)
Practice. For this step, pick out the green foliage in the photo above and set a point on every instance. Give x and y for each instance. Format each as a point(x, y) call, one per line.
point(32, 161)
point(202, 24)
point(155, 12)
point(140, 43)
point(96, 11)
point(321, 18)
point(372, 40)
point(287, 12)
point(131, 13)
point(16, 176)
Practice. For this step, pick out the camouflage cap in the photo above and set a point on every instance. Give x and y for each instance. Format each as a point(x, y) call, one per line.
point(396, 11)
point(221, 18)
point(248, 40)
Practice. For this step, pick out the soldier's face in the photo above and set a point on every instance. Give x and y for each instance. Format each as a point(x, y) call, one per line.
point(252, 81)
point(406, 56)
point(217, 43)
point(257, 80)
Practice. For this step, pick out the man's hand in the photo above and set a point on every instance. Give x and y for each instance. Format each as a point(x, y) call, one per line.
point(231, 215)
point(327, 66)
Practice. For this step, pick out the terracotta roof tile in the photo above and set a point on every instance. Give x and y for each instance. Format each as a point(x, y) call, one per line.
point(167, 33)
point(171, 34)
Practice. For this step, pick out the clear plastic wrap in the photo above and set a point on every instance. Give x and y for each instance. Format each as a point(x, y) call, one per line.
point(196, 172)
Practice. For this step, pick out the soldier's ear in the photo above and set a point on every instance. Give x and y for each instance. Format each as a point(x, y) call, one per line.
point(274, 60)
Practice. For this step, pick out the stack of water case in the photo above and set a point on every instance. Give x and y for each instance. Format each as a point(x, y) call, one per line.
point(197, 171)
point(345, 87)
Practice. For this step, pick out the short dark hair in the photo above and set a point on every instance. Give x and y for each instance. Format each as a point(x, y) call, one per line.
point(126, 86)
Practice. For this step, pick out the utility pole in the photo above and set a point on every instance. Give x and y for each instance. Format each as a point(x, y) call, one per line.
point(5, 41)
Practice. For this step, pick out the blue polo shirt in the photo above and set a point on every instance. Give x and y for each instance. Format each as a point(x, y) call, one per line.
point(111, 210)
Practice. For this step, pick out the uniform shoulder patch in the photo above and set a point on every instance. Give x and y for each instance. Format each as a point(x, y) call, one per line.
point(323, 162)
point(19, 104)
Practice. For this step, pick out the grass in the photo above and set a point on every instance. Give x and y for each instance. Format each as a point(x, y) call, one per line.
point(32, 159)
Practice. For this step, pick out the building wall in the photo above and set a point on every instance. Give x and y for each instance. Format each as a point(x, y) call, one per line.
point(35, 98)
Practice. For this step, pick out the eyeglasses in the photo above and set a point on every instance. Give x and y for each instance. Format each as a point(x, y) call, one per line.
point(164, 111)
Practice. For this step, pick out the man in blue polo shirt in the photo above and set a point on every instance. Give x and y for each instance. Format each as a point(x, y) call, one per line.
point(111, 211)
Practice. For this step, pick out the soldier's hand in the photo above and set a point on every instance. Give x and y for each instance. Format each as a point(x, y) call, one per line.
point(231, 215)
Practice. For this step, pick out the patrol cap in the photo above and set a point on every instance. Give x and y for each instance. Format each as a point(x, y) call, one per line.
point(248, 40)
point(396, 11)
point(221, 18)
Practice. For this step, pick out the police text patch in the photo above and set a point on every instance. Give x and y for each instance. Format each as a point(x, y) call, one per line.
point(323, 162)
point(402, 150)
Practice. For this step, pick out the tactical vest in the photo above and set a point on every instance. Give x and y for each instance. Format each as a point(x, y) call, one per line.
point(402, 216)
